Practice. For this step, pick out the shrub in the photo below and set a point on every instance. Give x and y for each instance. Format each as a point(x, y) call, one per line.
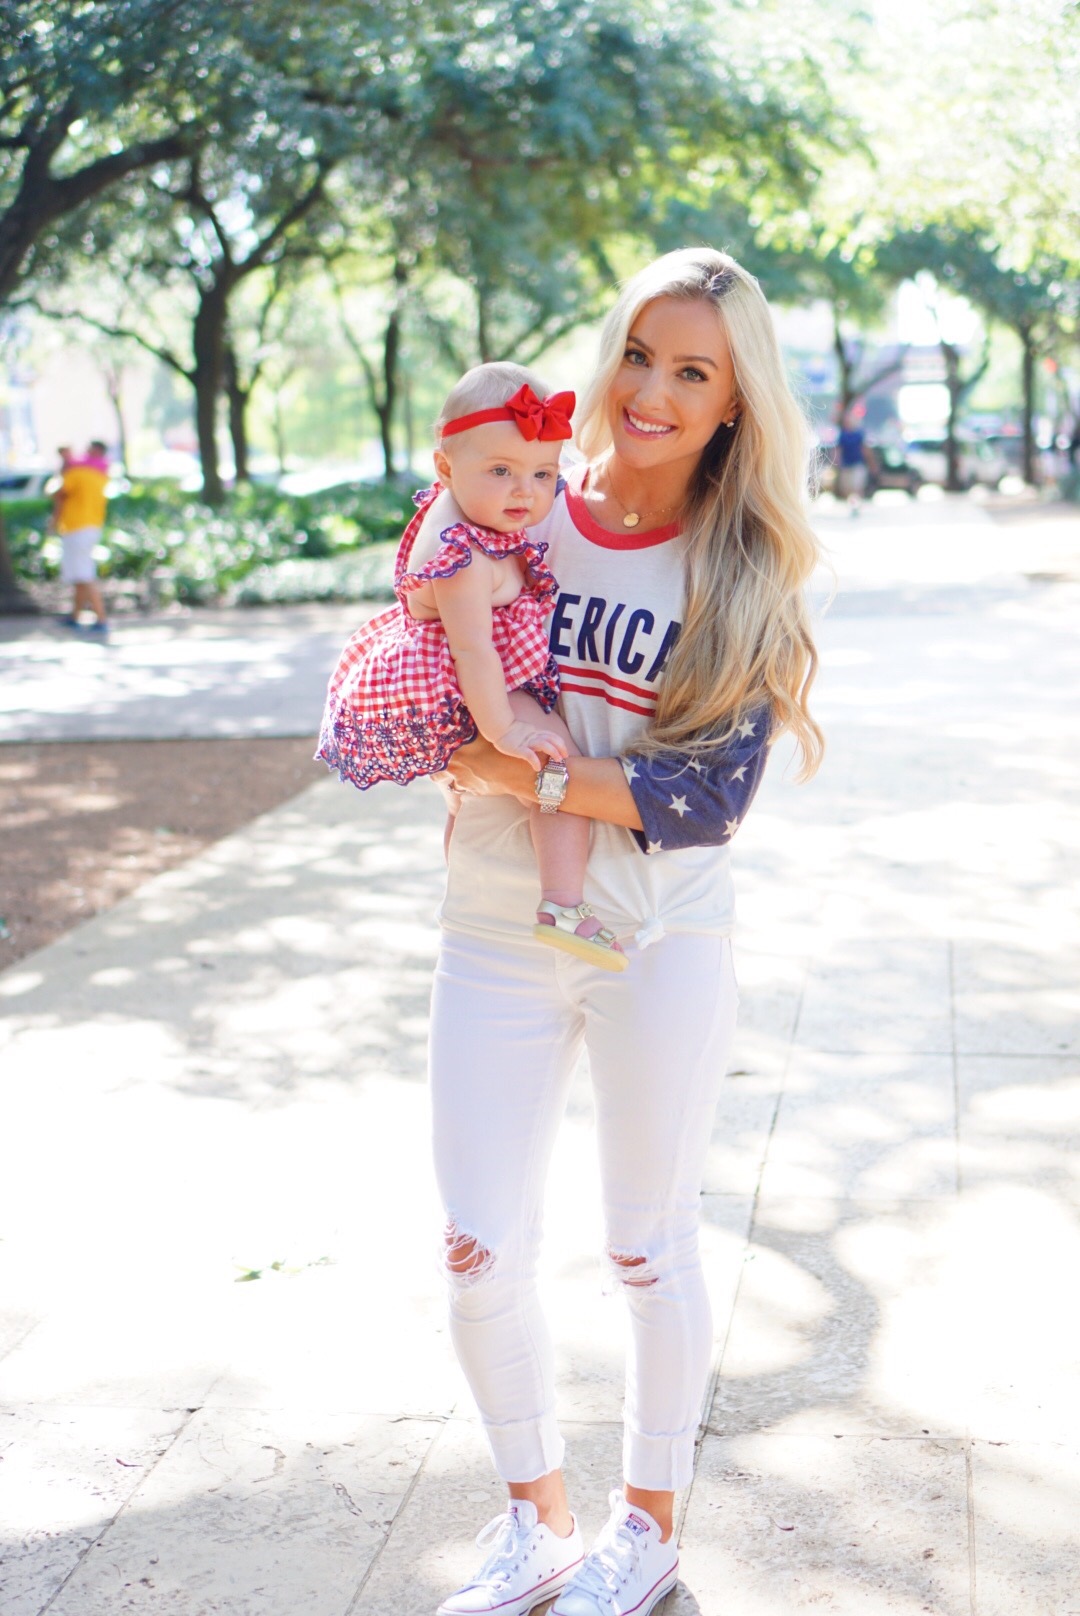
point(198, 554)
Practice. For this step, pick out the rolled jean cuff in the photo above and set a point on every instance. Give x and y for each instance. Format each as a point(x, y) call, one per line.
point(663, 1464)
point(525, 1450)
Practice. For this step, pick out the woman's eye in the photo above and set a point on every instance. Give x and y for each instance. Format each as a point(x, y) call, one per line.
point(634, 356)
point(693, 375)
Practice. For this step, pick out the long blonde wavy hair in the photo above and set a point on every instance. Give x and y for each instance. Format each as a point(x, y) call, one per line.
point(750, 550)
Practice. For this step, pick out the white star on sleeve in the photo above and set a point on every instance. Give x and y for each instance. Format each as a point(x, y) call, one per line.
point(696, 766)
point(678, 806)
point(739, 772)
point(653, 847)
point(746, 728)
point(628, 769)
point(731, 827)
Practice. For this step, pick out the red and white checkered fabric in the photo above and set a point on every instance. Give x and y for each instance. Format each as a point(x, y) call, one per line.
point(394, 709)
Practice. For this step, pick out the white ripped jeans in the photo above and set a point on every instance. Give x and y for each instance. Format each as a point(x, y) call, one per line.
point(508, 1022)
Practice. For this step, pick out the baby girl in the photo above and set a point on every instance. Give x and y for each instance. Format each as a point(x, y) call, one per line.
point(465, 649)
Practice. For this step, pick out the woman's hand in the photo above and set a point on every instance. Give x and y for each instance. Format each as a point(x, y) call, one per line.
point(479, 770)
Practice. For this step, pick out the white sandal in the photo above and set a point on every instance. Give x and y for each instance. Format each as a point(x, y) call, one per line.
point(600, 949)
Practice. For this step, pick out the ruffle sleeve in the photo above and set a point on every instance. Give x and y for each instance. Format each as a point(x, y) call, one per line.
point(456, 545)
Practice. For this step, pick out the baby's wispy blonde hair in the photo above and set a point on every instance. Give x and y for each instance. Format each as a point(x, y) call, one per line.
point(485, 387)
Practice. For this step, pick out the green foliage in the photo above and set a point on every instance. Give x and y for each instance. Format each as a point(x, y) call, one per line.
point(366, 574)
point(197, 554)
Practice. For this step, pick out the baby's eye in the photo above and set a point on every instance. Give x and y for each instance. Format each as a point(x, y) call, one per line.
point(501, 471)
point(544, 476)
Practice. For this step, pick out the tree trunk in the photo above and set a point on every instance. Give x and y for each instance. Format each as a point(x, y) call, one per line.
point(410, 423)
point(1031, 470)
point(238, 403)
point(279, 433)
point(14, 600)
point(113, 375)
point(384, 408)
point(483, 331)
point(953, 480)
point(391, 357)
point(208, 344)
point(845, 367)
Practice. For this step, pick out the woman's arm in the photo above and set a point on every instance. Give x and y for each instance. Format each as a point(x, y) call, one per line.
point(667, 802)
point(597, 787)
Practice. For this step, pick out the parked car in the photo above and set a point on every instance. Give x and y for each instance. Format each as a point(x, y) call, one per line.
point(890, 468)
point(25, 484)
point(982, 461)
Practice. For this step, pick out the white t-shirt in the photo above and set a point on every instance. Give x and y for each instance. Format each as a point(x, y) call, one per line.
point(616, 616)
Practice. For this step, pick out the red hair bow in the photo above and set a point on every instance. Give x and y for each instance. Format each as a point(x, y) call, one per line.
point(547, 419)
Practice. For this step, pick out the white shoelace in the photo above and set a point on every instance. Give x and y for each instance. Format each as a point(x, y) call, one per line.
point(612, 1563)
point(507, 1535)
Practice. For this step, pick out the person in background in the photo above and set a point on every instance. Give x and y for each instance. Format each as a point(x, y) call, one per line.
point(78, 516)
point(854, 468)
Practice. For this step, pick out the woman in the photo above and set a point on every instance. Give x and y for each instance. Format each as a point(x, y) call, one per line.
point(682, 549)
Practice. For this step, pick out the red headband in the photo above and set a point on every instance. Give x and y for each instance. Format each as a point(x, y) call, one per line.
point(547, 419)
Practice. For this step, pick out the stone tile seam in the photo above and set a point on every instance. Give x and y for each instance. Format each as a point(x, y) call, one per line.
point(969, 1486)
point(353, 1607)
point(15, 1345)
point(111, 1522)
point(957, 1170)
point(714, 1378)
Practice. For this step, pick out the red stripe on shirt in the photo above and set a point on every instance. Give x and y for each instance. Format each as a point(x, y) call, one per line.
point(609, 679)
point(612, 701)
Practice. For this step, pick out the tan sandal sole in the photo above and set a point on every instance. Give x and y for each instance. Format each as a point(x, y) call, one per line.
point(608, 959)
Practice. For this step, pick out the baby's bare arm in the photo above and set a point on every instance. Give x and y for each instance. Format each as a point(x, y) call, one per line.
point(464, 605)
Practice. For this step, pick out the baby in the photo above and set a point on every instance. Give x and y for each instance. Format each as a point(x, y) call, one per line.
point(465, 650)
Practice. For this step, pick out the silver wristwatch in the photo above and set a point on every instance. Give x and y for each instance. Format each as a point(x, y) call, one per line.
point(551, 784)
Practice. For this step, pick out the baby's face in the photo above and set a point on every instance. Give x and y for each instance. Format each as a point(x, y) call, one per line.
point(499, 479)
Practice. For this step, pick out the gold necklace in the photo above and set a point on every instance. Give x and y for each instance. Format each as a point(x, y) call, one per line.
point(633, 518)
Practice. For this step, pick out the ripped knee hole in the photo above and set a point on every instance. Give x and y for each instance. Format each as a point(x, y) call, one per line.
point(466, 1258)
point(622, 1262)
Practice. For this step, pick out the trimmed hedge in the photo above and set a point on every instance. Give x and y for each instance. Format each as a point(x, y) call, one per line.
point(195, 554)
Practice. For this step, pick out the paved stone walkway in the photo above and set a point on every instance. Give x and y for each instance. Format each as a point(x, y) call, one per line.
point(225, 1384)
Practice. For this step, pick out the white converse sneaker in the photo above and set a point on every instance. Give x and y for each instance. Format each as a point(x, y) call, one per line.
point(627, 1572)
point(527, 1565)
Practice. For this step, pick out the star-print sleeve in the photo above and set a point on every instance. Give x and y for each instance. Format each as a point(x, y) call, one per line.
point(698, 802)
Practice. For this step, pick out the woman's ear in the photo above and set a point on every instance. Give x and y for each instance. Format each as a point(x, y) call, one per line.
point(443, 469)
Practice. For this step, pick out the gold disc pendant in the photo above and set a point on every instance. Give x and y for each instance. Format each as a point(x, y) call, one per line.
point(631, 519)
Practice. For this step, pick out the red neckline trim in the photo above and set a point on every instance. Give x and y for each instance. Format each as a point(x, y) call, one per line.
point(590, 528)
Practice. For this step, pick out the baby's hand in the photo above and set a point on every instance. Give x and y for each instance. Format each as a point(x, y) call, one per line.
point(524, 741)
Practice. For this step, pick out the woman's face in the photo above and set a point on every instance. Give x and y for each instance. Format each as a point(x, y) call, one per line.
point(674, 385)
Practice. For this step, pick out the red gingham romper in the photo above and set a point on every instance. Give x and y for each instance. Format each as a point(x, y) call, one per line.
point(394, 709)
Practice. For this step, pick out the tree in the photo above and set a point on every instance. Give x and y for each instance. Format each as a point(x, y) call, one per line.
point(544, 137)
point(1033, 302)
point(927, 257)
point(89, 94)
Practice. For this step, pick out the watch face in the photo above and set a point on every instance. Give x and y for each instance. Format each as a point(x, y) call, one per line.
point(551, 783)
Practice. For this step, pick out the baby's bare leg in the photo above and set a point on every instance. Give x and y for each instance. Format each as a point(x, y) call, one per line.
point(561, 841)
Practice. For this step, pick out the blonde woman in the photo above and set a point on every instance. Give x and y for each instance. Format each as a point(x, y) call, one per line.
point(682, 550)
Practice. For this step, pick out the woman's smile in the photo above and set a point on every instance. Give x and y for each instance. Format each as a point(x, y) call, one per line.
point(646, 429)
